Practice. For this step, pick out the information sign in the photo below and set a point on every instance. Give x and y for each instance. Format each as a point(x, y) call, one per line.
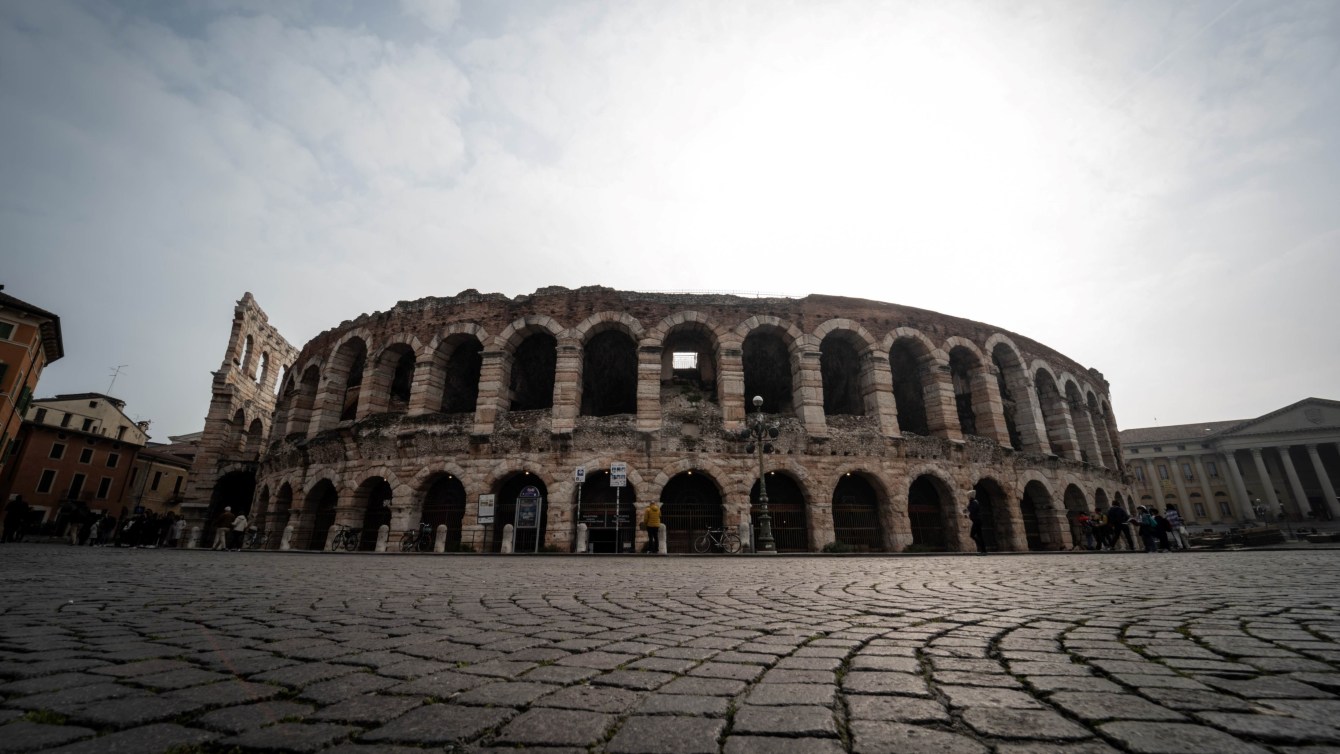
point(618, 474)
point(580, 474)
point(486, 509)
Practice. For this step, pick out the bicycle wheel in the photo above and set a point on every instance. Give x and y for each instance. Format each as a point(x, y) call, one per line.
point(731, 543)
point(337, 543)
point(351, 539)
point(409, 542)
point(703, 543)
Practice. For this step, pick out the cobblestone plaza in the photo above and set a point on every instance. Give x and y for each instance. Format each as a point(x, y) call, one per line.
point(105, 650)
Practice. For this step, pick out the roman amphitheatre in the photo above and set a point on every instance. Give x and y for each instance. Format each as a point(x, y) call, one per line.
point(885, 415)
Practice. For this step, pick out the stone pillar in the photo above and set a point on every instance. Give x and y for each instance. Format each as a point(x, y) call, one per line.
point(509, 535)
point(1295, 486)
point(988, 407)
point(730, 388)
point(493, 394)
point(649, 388)
point(660, 541)
point(286, 542)
point(440, 540)
point(1271, 499)
point(1176, 472)
point(938, 395)
point(1238, 488)
point(1327, 489)
point(372, 386)
point(1104, 440)
point(383, 536)
point(1206, 490)
point(879, 400)
point(1083, 424)
point(425, 390)
point(808, 393)
point(1028, 418)
point(581, 538)
point(567, 387)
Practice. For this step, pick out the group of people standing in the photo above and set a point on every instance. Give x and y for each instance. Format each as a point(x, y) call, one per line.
point(1105, 530)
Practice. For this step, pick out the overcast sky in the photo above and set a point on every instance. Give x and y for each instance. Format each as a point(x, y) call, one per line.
point(1151, 188)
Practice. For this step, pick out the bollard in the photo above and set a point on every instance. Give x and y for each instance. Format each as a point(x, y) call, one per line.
point(660, 541)
point(383, 534)
point(581, 537)
point(440, 541)
point(509, 534)
point(746, 536)
point(285, 542)
point(330, 539)
point(194, 540)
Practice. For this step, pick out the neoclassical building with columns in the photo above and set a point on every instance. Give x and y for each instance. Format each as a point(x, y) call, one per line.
point(449, 411)
point(1283, 466)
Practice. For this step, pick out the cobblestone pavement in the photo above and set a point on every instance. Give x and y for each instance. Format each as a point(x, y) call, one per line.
point(105, 650)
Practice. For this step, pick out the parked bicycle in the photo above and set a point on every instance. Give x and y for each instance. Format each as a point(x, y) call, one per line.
point(346, 538)
point(418, 541)
point(255, 539)
point(727, 541)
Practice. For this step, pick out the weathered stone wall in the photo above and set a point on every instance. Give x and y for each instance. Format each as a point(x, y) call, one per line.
point(679, 427)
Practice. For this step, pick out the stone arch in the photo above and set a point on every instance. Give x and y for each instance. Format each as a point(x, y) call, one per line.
point(302, 402)
point(933, 513)
point(237, 431)
point(1109, 427)
point(688, 333)
point(372, 502)
point(861, 514)
point(255, 441)
point(263, 368)
point(914, 366)
point(609, 364)
point(692, 501)
point(319, 509)
point(845, 367)
point(530, 361)
point(1041, 516)
point(455, 360)
point(967, 372)
point(1076, 504)
point(610, 513)
point(507, 488)
point(770, 353)
point(1023, 421)
point(392, 373)
point(441, 500)
point(1082, 422)
point(1001, 528)
point(341, 396)
point(1055, 414)
point(788, 508)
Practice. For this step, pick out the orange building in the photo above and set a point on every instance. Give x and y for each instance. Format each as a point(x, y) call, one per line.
point(29, 340)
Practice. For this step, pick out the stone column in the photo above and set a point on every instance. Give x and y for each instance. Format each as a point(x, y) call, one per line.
point(372, 385)
point(1083, 424)
point(567, 387)
point(1104, 440)
point(1210, 508)
point(808, 393)
point(1060, 423)
point(879, 398)
point(988, 407)
point(1155, 484)
point(425, 390)
point(1300, 504)
point(1327, 489)
point(1238, 488)
point(730, 387)
point(1271, 498)
point(492, 392)
point(1176, 471)
point(937, 389)
point(1028, 417)
point(649, 388)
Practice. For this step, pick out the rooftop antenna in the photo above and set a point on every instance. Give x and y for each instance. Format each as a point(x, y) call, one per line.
point(116, 372)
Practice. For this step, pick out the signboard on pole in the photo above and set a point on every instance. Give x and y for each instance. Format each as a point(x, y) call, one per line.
point(528, 508)
point(580, 474)
point(486, 509)
point(618, 474)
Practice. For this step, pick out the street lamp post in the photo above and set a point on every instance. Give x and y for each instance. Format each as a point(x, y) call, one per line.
point(760, 430)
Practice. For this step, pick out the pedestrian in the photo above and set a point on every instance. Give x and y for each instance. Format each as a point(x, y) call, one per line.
point(221, 524)
point(177, 529)
point(1145, 523)
point(1178, 527)
point(1086, 530)
point(239, 531)
point(16, 513)
point(1118, 520)
point(1161, 529)
point(651, 519)
point(1102, 533)
point(974, 511)
point(95, 529)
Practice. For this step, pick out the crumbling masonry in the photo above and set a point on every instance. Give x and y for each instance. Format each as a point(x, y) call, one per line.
point(888, 416)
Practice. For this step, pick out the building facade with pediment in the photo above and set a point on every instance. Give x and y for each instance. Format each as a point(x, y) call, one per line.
point(1283, 466)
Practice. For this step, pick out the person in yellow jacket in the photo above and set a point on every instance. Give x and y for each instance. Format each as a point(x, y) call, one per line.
point(651, 519)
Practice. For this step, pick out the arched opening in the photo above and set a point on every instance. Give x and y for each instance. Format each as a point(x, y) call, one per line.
point(926, 512)
point(786, 508)
point(1083, 423)
point(1075, 505)
point(1035, 508)
point(841, 371)
point(1100, 500)
point(374, 497)
point(767, 370)
point(688, 361)
point(1113, 438)
point(304, 401)
point(262, 510)
point(347, 376)
point(991, 513)
point(237, 432)
point(532, 375)
point(255, 442)
point(444, 505)
point(529, 493)
point(962, 364)
point(609, 513)
point(609, 374)
point(233, 490)
point(909, 391)
point(690, 505)
point(263, 368)
point(1053, 413)
point(1011, 381)
point(856, 515)
point(460, 379)
point(395, 369)
point(244, 357)
point(320, 505)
